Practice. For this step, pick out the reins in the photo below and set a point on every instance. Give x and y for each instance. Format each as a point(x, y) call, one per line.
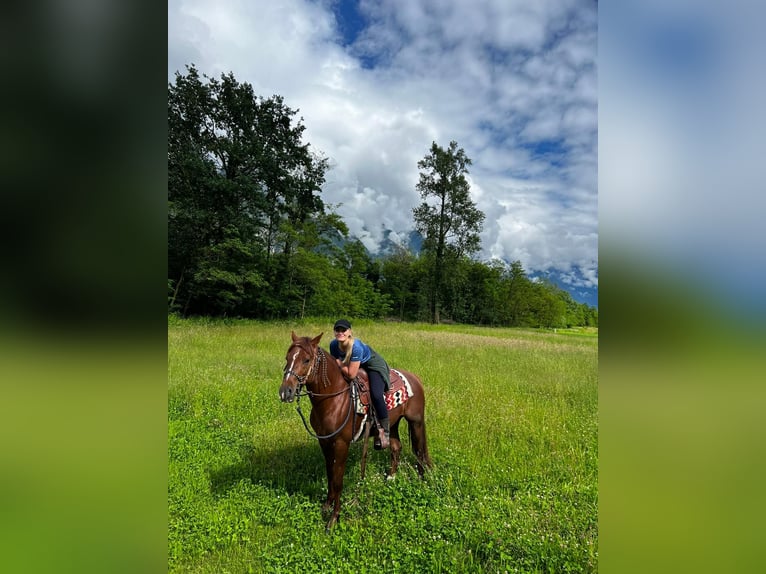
point(321, 362)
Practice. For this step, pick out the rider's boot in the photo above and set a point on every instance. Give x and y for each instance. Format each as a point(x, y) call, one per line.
point(384, 432)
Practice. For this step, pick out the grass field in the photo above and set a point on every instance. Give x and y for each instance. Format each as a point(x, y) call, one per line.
point(512, 423)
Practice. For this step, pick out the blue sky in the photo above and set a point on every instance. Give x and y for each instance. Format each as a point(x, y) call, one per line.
point(350, 21)
point(514, 82)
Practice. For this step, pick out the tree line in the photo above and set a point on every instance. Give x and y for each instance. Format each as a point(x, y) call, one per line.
point(250, 236)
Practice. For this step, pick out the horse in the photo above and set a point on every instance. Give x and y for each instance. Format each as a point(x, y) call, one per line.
point(310, 370)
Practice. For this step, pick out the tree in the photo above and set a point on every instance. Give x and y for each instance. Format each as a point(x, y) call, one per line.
point(518, 299)
point(485, 296)
point(238, 174)
point(548, 309)
point(397, 280)
point(448, 219)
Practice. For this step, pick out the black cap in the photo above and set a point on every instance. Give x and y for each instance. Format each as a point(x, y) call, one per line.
point(342, 323)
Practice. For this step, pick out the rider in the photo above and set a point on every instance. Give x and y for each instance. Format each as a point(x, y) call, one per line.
point(350, 354)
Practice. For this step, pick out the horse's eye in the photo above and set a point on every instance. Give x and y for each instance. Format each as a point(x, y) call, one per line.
point(305, 361)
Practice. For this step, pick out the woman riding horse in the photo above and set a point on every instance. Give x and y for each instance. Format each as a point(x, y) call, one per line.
point(350, 354)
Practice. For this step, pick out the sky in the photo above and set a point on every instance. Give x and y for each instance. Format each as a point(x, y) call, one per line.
point(682, 134)
point(514, 83)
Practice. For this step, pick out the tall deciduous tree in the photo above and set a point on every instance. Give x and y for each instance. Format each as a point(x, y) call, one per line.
point(448, 219)
point(239, 177)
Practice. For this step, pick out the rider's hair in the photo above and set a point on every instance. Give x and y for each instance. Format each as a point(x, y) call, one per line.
point(347, 347)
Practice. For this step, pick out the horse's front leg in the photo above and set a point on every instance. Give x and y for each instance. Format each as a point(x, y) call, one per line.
point(335, 486)
point(328, 450)
point(365, 444)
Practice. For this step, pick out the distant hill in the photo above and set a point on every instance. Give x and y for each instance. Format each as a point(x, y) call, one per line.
point(413, 242)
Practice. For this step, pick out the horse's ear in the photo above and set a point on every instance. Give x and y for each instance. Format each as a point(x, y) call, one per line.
point(294, 336)
point(315, 340)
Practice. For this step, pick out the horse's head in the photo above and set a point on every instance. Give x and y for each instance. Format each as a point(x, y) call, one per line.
point(299, 362)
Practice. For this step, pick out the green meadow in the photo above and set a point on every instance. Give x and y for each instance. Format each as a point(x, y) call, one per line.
point(512, 425)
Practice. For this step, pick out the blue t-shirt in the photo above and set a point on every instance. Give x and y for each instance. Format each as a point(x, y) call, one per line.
point(359, 352)
point(368, 359)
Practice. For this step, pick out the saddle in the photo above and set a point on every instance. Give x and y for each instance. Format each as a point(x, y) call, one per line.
point(398, 393)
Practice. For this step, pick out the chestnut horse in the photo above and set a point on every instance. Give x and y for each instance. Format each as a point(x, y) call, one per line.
point(310, 370)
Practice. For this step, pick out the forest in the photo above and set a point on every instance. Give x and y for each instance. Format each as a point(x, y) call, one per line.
point(250, 236)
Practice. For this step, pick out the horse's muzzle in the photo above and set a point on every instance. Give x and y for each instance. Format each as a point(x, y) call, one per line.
point(286, 393)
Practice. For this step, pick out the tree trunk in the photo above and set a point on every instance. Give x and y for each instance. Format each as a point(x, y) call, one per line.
point(178, 286)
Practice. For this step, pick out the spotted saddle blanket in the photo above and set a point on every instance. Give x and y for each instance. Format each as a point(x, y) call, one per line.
point(398, 393)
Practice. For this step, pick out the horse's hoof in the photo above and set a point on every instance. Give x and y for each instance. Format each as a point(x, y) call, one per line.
point(330, 524)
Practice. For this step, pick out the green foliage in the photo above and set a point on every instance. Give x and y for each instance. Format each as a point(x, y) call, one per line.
point(225, 275)
point(397, 280)
point(242, 195)
point(480, 293)
point(512, 427)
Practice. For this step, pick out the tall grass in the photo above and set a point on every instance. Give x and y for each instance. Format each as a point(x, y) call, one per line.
point(512, 428)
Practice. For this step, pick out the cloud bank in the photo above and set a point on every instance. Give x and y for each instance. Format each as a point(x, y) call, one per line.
point(513, 82)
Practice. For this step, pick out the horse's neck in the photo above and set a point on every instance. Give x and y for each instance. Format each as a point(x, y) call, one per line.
point(327, 377)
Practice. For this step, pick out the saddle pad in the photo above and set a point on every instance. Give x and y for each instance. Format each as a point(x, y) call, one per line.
point(399, 392)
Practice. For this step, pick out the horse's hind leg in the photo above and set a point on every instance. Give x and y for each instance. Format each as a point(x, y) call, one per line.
point(419, 445)
point(396, 449)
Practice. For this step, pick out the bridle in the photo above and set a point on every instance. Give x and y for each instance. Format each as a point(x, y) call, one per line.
point(320, 361)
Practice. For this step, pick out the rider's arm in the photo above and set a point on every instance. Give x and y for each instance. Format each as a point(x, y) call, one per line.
point(349, 371)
